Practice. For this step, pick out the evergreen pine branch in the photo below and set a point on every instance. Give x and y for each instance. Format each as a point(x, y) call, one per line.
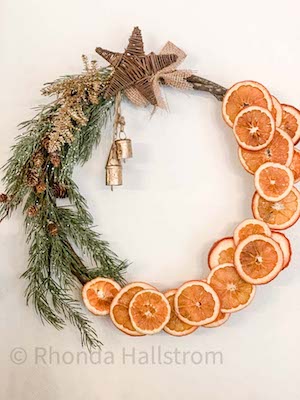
point(107, 264)
point(54, 267)
point(50, 281)
point(70, 308)
point(85, 139)
point(38, 274)
point(51, 299)
point(26, 145)
point(78, 201)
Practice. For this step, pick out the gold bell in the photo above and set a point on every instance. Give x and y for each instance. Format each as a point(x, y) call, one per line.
point(113, 168)
point(124, 148)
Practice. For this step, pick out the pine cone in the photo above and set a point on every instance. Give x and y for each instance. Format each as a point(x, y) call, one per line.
point(55, 159)
point(3, 198)
point(32, 178)
point(60, 191)
point(52, 229)
point(41, 187)
point(45, 143)
point(38, 159)
point(32, 211)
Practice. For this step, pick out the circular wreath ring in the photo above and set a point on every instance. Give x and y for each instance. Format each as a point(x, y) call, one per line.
point(65, 251)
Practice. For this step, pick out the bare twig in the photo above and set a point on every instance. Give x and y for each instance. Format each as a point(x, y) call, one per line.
point(207, 86)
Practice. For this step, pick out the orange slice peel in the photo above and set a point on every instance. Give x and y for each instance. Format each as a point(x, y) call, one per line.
point(285, 246)
point(196, 303)
point(221, 252)
point(258, 259)
point(273, 181)
point(291, 122)
point(98, 294)
point(175, 326)
point(234, 292)
point(119, 310)
point(280, 150)
point(149, 311)
point(278, 215)
point(249, 227)
point(244, 94)
point(254, 128)
point(277, 111)
point(220, 320)
point(295, 165)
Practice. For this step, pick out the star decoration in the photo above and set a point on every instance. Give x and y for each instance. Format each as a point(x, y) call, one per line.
point(169, 76)
point(134, 69)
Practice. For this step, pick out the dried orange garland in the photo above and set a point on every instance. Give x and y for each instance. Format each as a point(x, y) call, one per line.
point(266, 133)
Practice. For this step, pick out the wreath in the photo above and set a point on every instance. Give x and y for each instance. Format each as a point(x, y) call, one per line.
point(65, 252)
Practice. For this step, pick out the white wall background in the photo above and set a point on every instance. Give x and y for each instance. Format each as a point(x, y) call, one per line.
point(184, 189)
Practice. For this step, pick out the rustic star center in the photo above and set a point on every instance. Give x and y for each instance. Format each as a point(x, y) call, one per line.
point(135, 69)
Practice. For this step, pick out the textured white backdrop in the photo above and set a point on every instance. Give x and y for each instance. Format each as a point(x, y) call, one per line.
point(184, 189)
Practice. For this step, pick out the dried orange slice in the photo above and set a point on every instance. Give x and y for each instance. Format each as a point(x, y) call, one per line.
point(234, 293)
point(175, 326)
point(254, 128)
point(196, 303)
point(221, 252)
point(98, 294)
point(221, 319)
point(273, 181)
point(258, 259)
point(279, 215)
point(277, 111)
point(291, 122)
point(295, 165)
point(119, 307)
point(244, 94)
point(149, 311)
point(285, 246)
point(280, 150)
point(250, 227)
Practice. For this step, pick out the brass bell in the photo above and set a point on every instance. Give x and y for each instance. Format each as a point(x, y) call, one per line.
point(124, 148)
point(113, 168)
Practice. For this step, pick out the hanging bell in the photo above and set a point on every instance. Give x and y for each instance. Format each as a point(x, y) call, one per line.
point(124, 148)
point(113, 168)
